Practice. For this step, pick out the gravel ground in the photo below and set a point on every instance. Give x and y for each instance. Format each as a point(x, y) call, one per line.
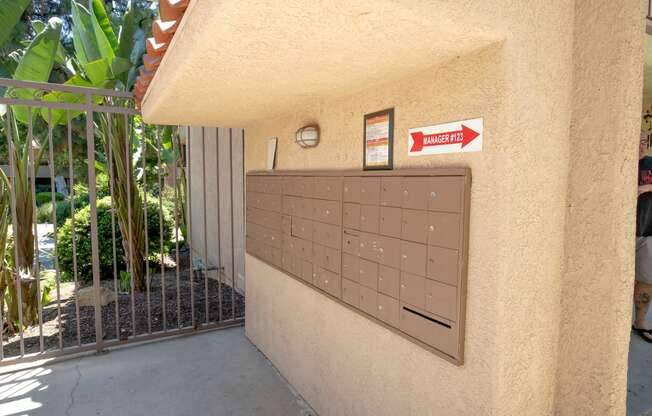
point(87, 313)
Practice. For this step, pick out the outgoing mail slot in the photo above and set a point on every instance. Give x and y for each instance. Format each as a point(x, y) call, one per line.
point(391, 191)
point(352, 189)
point(388, 281)
point(368, 274)
point(368, 246)
point(388, 310)
point(326, 234)
point(302, 228)
point(370, 190)
point(350, 267)
point(415, 192)
point(389, 251)
point(390, 221)
point(329, 212)
point(328, 187)
point(413, 289)
point(444, 229)
point(443, 265)
point(441, 299)
point(351, 242)
point(415, 225)
point(369, 218)
point(445, 194)
point(429, 329)
point(351, 293)
point(413, 258)
point(368, 300)
point(351, 216)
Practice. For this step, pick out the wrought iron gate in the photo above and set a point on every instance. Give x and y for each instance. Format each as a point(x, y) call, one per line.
point(121, 266)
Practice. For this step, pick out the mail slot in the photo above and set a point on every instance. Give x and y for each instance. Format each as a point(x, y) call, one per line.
point(351, 216)
point(368, 246)
point(351, 242)
point(370, 190)
point(391, 191)
point(388, 310)
point(390, 221)
point(413, 257)
point(443, 265)
point(368, 301)
point(444, 229)
point(388, 281)
point(369, 274)
point(351, 267)
point(415, 192)
point(369, 218)
point(326, 234)
point(351, 292)
point(328, 187)
point(429, 329)
point(413, 289)
point(302, 228)
point(415, 225)
point(351, 189)
point(329, 212)
point(441, 299)
point(445, 194)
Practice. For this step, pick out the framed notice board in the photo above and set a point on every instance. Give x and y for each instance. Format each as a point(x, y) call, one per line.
point(378, 140)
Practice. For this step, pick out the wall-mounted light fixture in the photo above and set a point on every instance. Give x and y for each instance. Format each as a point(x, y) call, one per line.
point(308, 136)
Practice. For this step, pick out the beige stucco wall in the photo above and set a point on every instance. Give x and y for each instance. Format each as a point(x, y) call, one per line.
point(552, 206)
point(531, 255)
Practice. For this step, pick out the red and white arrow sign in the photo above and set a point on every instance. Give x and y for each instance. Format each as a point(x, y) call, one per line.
point(458, 136)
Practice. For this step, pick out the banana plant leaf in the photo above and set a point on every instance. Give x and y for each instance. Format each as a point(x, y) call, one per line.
point(61, 116)
point(105, 24)
point(60, 57)
point(91, 43)
point(10, 13)
point(36, 65)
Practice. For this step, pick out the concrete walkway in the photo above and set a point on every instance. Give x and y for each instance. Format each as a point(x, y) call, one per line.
point(639, 378)
point(215, 373)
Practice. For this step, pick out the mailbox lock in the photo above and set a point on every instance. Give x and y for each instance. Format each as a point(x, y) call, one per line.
point(405, 192)
point(328, 211)
point(380, 307)
point(433, 194)
point(404, 256)
point(326, 281)
point(380, 249)
point(402, 286)
point(431, 228)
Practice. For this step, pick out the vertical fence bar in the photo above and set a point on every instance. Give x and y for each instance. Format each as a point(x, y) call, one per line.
point(113, 244)
point(232, 237)
point(71, 173)
point(177, 156)
point(14, 228)
point(92, 196)
point(203, 166)
point(220, 266)
point(147, 282)
point(54, 226)
point(36, 271)
point(160, 223)
point(244, 197)
point(128, 169)
point(189, 227)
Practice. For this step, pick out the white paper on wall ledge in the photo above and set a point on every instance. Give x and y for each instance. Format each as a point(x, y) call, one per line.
point(271, 153)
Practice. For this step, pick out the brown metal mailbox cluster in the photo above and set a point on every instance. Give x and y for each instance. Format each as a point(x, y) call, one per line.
point(392, 245)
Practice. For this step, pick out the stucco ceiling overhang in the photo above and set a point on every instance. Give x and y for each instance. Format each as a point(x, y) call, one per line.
point(232, 63)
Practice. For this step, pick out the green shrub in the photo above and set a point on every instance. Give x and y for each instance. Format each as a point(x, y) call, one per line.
point(44, 213)
point(83, 237)
point(46, 198)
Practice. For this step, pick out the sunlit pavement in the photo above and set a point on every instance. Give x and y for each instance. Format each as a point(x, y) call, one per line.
point(214, 373)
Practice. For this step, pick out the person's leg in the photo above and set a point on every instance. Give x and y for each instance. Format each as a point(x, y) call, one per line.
point(642, 299)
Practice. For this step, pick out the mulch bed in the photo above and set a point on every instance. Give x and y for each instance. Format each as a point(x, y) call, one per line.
point(174, 319)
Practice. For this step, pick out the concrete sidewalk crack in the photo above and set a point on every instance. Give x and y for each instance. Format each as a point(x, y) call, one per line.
point(73, 390)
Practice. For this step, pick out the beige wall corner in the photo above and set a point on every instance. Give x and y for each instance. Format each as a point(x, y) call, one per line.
point(601, 211)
